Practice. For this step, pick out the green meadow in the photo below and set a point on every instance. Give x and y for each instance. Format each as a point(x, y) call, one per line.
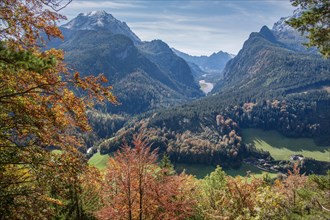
point(245, 168)
point(99, 161)
point(200, 170)
point(281, 147)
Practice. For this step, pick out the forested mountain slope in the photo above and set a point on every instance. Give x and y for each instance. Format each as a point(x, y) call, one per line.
point(266, 68)
point(144, 76)
point(265, 86)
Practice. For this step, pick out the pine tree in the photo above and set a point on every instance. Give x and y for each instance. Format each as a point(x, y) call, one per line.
point(315, 22)
point(166, 165)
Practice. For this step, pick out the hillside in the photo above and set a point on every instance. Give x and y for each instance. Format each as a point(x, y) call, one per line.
point(265, 86)
point(266, 64)
point(143, 75)
point(258, 147)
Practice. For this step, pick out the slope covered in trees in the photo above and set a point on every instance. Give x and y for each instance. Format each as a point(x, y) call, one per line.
point(266, 68)
point(267, 85)
point(145, 75)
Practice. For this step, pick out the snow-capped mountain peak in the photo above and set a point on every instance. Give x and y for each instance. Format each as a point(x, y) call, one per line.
point(100, 20)
point(96, 13)
point(289, 36)
point(282, 26)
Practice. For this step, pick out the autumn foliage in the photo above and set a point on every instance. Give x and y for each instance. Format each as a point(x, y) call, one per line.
point(43, 107)
point(136, 188)
point(40, 109)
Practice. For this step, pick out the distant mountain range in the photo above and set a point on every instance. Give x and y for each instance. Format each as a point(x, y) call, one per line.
point(145, 75)
point(272, 83)
point(269, 84)
point(206, 67)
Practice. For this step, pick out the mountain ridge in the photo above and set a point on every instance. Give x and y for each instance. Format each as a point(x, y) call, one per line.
point(115, 51)
point(211, 66)
point(101, 20)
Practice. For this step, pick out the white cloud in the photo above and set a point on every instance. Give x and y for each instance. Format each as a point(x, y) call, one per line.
point(196, 27)
point(104, 4)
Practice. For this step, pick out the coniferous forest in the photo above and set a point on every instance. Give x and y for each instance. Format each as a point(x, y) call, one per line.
point(57, 112)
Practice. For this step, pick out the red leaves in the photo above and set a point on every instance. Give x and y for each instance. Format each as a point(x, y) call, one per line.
point(136, 188)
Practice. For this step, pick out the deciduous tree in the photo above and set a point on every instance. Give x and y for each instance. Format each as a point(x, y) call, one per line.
point(39, 109)
point(136, 188)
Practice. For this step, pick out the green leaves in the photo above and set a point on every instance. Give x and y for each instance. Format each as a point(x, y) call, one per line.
point(24, 60)
point(315, 22)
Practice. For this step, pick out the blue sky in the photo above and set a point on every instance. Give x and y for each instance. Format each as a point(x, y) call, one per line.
point(195, 27)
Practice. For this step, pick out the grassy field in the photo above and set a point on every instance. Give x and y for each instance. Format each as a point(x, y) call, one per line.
point(200, 171)
point(281, 147)
point(99, 161)
point(245, 168)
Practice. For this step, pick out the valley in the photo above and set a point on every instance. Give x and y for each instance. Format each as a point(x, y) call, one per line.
point(259, 88)
point(190, 110)
point(279, 147)
point(282, 148)
point(206, 87)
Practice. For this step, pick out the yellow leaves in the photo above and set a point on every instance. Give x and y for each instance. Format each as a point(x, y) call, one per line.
point(24, 20)
point(40, 108)
point(104, 79)
point(58, 54)
point(53, 201)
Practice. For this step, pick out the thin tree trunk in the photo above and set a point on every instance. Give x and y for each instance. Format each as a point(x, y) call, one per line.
point(129, 195)
point(141, 195)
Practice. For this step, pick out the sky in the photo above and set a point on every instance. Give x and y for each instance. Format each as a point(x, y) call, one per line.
point(191, 26)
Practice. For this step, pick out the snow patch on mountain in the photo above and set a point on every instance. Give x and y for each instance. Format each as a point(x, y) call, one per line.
point(100, 20)
point(289, 36)
point(282, 26)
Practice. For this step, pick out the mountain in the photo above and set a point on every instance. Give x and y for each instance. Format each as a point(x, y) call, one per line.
point(265, 70)
point(272, 67)
point(101, 21)
point(211, 66)
point(144, 75)
point(289, 36)
point(267, 85)
point(161, 54)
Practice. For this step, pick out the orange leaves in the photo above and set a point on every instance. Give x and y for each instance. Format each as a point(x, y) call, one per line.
point(291, 184)
point(103, 79)
point(136, 188)
point(24, 20)
point(40, 108)
point(94, 89)
point(243, 194)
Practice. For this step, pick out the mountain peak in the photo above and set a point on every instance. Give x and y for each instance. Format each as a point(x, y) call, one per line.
point(282, 26)
point(267, 33)
point(95, 13)
point(289, 36)
point(100, 21)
